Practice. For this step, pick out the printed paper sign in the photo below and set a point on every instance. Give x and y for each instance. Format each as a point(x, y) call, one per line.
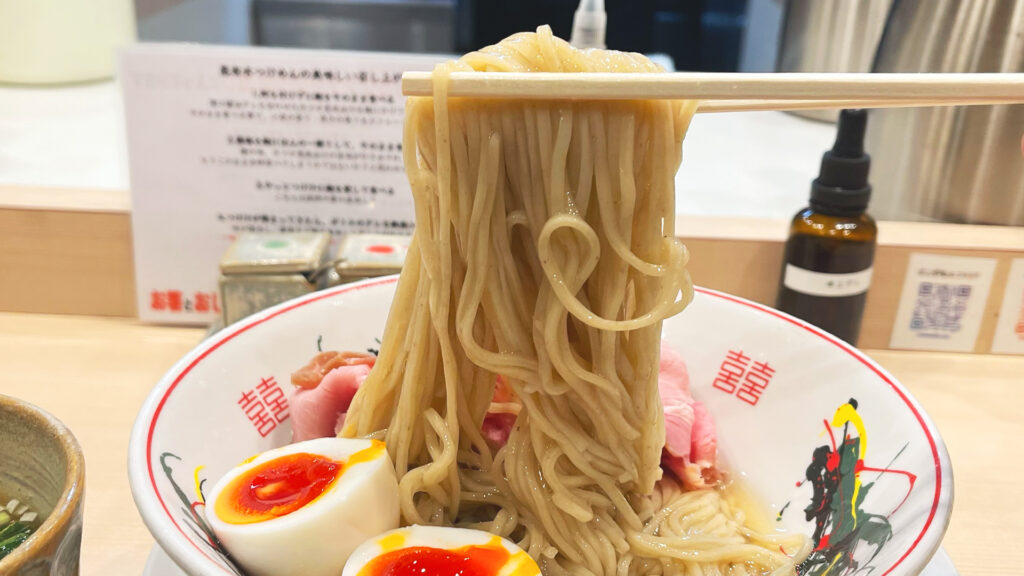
point(224, 140)
point(1009, 338)
point(943, 302)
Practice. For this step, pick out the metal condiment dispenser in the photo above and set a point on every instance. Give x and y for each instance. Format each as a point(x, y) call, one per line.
point(362, 256)
point(260, 270)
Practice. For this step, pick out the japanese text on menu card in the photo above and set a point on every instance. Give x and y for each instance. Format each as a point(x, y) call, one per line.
point(225, 140)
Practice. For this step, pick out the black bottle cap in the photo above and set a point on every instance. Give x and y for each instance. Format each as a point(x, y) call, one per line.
point(842, 186)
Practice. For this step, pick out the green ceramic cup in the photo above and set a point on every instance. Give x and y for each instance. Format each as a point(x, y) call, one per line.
point(41, 465)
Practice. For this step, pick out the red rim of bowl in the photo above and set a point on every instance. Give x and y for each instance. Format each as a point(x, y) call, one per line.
point(146, 423)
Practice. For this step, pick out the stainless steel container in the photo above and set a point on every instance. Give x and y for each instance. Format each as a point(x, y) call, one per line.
point(394, 25)
point(830, 36)
point(363, 256)
point(950, 164)
point(260, 270)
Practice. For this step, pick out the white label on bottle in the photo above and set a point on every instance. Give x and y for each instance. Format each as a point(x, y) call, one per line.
point(825, 284)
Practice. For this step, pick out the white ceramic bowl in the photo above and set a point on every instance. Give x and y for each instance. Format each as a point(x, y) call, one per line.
point(198, 422)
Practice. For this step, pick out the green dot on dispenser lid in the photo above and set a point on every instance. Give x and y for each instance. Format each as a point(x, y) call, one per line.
point(275, 244)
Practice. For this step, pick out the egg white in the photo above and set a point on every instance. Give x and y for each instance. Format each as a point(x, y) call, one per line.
point(434, 537)
point(318, 538)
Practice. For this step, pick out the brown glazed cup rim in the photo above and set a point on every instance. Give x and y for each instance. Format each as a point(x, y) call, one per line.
point(63, 513)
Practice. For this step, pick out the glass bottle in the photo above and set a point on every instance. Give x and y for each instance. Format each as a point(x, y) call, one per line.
point(830, 251)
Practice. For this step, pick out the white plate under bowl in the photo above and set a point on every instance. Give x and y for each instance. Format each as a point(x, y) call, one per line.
point(783, 420)
point(160, 564)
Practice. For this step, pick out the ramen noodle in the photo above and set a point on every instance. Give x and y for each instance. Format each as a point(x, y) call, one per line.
point(545, 253)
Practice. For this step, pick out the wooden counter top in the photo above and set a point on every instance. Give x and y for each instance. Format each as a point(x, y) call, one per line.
point(93, 373)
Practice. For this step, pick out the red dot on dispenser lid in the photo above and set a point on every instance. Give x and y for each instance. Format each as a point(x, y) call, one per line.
point(380, 249)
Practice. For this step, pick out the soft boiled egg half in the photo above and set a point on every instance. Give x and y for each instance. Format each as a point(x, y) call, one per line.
point(438, 551)
point(303, 508)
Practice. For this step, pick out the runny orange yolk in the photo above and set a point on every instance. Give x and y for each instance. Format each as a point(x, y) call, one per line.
point(276, 488)
point(285, 484)
point(478, 560)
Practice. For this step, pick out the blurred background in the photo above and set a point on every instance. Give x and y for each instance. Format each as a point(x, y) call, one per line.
point(697, 34)
point(931, 164)
point(937, 164)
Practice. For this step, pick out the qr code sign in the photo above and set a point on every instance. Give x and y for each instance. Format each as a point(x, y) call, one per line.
point(942, 302)
point(940, 307)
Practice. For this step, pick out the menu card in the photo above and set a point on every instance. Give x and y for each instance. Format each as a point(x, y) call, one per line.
point(1009, 336)
point(224, 140)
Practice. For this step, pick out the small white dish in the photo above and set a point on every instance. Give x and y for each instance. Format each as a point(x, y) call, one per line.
point(160, 564)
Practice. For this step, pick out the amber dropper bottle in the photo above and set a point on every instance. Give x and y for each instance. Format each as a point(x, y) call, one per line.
point(831, 247)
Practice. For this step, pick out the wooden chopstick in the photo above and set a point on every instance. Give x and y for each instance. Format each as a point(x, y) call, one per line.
point(711, 106)
point(744, 91)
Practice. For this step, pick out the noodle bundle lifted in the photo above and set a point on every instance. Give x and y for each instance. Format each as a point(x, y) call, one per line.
point(545, 257)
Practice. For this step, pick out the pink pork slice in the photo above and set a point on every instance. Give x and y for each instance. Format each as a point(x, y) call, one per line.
point(319, 412)
point(691, 450)
point(690, 445)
